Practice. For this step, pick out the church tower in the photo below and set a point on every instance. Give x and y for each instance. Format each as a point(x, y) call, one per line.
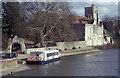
point(92, 12)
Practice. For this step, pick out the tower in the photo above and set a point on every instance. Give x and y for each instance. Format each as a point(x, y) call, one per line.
point(92, 12)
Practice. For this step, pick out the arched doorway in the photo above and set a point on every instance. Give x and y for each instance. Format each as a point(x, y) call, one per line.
point(16, 48)
point(16, 45)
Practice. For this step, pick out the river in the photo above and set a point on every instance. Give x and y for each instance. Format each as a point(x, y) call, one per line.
point(104, 63)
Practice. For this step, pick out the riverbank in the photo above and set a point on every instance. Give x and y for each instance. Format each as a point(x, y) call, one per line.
point(79, 52)
point(108, 46)
point(21, 67)
point(24, 67)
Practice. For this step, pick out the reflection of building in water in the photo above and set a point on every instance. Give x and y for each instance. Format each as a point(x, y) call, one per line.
point(89, 28)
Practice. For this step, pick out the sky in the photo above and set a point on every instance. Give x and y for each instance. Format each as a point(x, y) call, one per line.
point(104, 8)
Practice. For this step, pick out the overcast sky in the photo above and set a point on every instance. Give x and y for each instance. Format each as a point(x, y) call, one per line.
point(104, 8)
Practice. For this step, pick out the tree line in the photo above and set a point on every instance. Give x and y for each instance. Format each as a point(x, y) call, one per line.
point(38, 21)
point(112, 25)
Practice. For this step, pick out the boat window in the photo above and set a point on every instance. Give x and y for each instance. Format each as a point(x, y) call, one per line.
point(32, 54)
point(52, 54)
point(48, 55)
point(37, 55)
point(56, 53)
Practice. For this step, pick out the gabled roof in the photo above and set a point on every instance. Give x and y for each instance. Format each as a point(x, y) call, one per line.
point(82, 20)
point(107, 33)
point(79, 17)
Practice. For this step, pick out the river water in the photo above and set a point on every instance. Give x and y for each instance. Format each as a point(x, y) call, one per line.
point(104, 63)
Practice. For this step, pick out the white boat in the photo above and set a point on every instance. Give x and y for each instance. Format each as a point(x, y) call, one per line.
point(43, 56)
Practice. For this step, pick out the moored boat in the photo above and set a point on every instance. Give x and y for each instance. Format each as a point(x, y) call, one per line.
point(43, 56)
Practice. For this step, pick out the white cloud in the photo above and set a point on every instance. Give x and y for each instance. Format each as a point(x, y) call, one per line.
point(104, 10)
point(106, 3)
point(79, 11)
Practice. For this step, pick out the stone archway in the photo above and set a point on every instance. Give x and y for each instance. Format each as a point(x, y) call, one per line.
point(16, 41)
point(16, 47)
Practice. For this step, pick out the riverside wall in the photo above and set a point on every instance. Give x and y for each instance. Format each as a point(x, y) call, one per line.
point(71, 45)
point(62, 46)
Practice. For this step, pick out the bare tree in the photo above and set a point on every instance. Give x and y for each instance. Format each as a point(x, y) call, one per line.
point(111, 24)
point(48, 20)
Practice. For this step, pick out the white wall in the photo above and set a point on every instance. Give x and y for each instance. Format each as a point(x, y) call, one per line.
point(94, 35)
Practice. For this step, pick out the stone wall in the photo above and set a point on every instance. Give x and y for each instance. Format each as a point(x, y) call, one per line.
point(8, 64)
point(61, 46)
point(70, 45)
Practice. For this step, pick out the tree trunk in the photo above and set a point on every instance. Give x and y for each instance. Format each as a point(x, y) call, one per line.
point(42, 42)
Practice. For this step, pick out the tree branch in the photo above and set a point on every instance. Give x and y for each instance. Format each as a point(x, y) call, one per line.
point(49, 31)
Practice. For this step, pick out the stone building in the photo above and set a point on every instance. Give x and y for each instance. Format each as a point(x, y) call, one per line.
point(89, 27)
point(16, 42)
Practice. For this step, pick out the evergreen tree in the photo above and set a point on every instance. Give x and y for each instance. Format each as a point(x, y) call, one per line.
point(10, 18)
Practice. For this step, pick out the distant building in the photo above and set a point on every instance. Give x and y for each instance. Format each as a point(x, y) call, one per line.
point(89, 28)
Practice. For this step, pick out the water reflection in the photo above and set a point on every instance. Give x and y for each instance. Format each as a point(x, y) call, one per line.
point(45, 67)
point(56, 62)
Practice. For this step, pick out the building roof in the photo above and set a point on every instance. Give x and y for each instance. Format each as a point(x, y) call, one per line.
point(79, 17)
point(82, 20)
point(107, 33)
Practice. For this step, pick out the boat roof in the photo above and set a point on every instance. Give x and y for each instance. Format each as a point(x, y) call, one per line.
point(47, 51)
